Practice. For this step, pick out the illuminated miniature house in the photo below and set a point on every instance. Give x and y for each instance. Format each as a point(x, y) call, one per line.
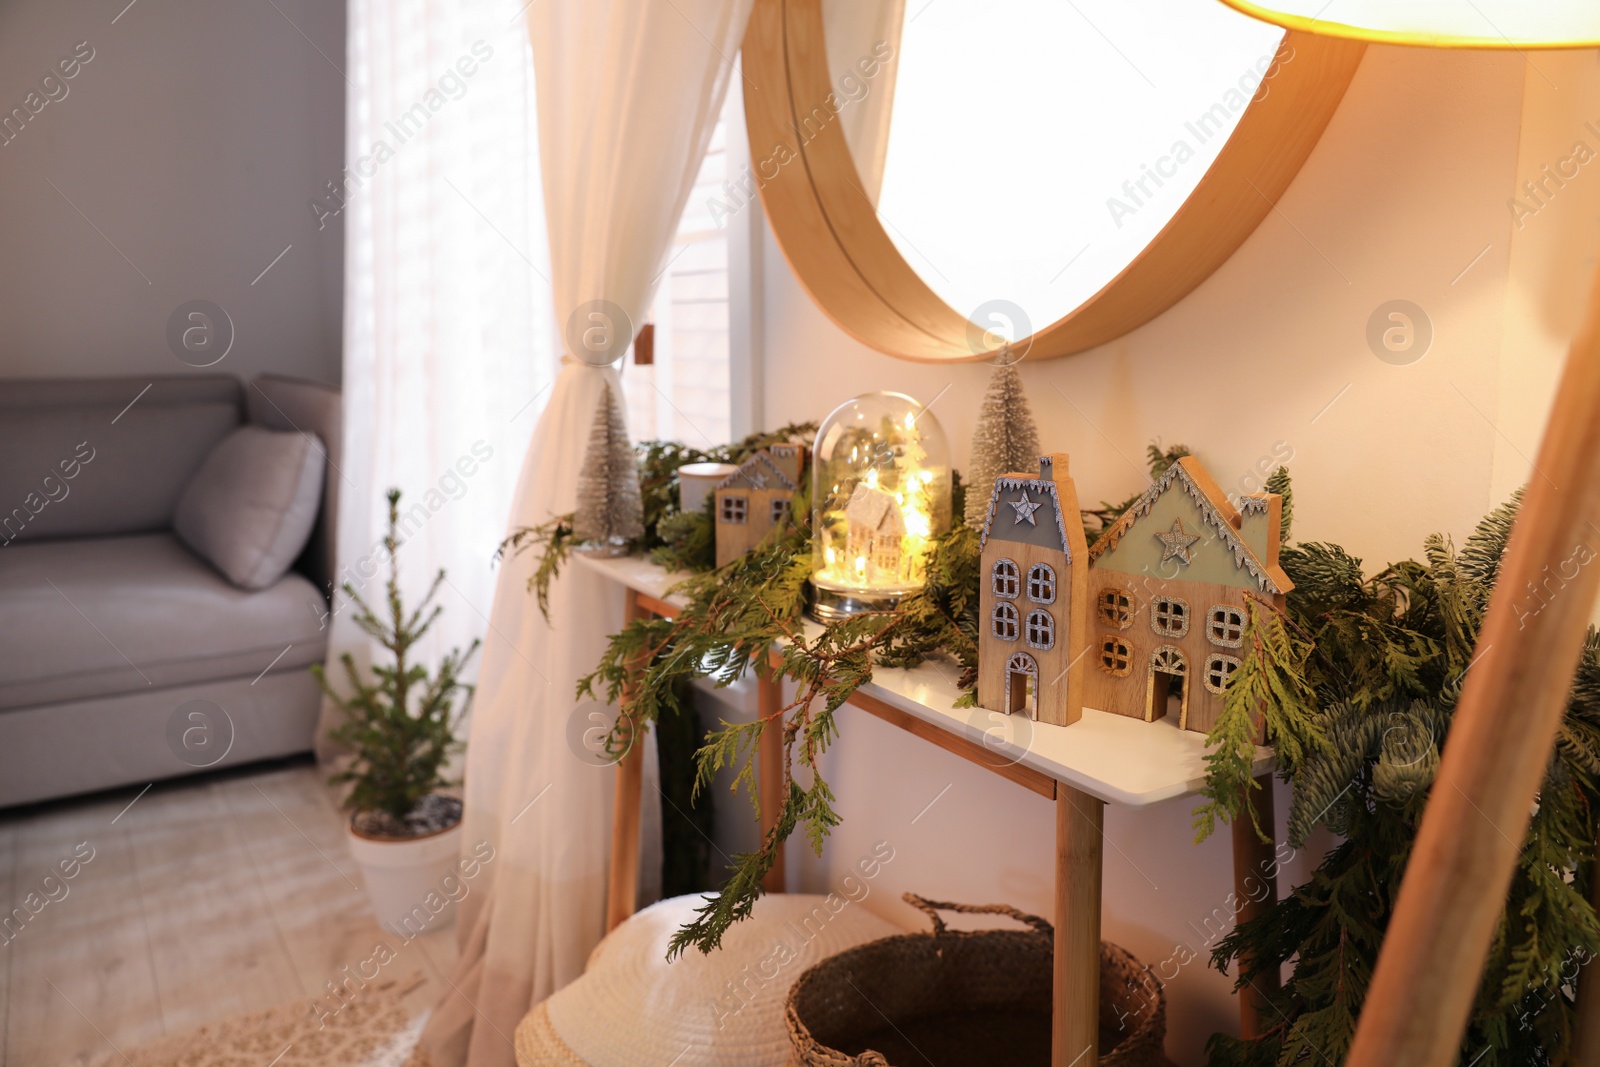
point(1032, 597)
point(880, 486)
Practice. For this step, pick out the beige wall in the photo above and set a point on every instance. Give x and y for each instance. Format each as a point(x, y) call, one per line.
point(1408, 186)
point(191, 145)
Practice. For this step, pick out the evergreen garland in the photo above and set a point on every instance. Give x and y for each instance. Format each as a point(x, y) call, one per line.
point(1390, 653)
point(1004, 440)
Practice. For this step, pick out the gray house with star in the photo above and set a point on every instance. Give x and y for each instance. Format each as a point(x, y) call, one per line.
point(1033, 597)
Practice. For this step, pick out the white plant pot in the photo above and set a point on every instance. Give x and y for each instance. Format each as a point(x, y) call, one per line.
point(404, 878)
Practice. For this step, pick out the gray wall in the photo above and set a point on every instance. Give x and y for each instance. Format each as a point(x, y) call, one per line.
point(190, 145)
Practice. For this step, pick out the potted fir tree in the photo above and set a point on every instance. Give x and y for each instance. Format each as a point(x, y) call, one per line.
point(404, 830)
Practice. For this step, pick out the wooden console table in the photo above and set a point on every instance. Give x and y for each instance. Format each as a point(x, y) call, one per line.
point(1102, 759)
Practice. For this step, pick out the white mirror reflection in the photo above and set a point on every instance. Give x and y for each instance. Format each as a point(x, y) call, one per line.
point(1021, 154)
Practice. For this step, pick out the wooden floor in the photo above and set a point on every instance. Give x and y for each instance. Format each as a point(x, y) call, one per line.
point(206, 898)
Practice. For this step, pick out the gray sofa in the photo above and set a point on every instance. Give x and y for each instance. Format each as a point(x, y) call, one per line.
point(124, 657)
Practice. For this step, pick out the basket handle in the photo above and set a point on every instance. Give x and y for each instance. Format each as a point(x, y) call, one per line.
point(932, 908)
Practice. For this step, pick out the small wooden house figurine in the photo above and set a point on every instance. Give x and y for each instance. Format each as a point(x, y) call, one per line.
point(754, 499)
point(1169, 581)
point(1033, 597)
point(789, 457)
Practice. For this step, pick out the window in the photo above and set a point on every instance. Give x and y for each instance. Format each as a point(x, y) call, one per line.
point(1005, 622)
point(734, 507)
point(1169, 616)
point(780, 509)
point(1005, 578)
point(1116, 658)
point(1219, 669)
point(686, 392)
point(1041, 630)
point(1042, 583)
point(1116, 607)
point(1225, 626)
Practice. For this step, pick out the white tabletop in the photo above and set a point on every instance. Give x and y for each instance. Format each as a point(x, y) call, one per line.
point(1118, 759)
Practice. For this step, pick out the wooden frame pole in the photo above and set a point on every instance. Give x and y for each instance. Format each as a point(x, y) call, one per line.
point(1255, 887)
point(1075, 1006)
point(769, 774)
point(1505, 726)
point(622, 883)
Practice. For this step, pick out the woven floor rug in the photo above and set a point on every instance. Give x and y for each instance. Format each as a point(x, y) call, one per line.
point(374, 1030)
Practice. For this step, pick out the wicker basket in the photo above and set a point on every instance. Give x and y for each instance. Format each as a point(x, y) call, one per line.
point(954, 998)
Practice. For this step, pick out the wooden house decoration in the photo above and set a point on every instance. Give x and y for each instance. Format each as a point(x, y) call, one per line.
point(789, 457)
point(1033, 597)
point(1169, 581)
point(754, 499)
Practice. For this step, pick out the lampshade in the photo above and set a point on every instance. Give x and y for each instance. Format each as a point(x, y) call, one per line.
point(1518, 24)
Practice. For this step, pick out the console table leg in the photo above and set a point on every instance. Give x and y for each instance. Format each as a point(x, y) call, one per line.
point(1080, 836)
point(1255, 886)
point(769, 774)
point(622, 888)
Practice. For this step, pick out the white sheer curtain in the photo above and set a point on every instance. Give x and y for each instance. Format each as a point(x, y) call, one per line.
point(449, 344)
point(628, 94)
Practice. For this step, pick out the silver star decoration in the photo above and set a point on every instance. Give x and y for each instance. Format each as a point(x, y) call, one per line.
point(1026, 508)
point(1176, 544)
point(757, 479)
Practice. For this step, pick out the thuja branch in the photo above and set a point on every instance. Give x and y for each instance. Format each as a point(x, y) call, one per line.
point(553, 541)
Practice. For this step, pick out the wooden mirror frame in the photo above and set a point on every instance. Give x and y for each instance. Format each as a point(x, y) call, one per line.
point(830, 233)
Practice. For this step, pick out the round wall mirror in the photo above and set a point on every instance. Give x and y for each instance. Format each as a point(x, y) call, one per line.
point(948, 176)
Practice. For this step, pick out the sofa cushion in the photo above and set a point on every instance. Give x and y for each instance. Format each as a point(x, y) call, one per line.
point(249, 509)
point(99, 616)
point(95, 471)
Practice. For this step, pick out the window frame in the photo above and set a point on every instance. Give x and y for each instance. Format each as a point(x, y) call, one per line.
point(1157, 617)
point(1047, 579)
point(1114, 645)
point(779, 509)
point(1014, 578)
point(1112, 614)
point(1212, 625)
point(1005, 612)
point(1049, 629)
point(733, 516)
point(1215, 660)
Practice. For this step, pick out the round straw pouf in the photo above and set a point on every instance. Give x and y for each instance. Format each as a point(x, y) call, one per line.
point(631, 1008)
point(959, 998)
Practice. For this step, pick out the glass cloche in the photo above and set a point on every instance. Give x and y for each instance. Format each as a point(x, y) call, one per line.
point(880, 484)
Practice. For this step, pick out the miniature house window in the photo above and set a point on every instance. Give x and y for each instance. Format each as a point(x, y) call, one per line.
point(1042, 583)
point(1005, 578)
point(1219, 669)
point(1116, 607)
point(1116, 658)
point(1005, 622)
point(780, 508)
point(1169, 616)
point(735, 507)
point(1041, 630)
point(1225, 626)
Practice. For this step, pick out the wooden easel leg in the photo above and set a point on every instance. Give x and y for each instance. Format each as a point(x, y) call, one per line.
point(1255, 886)
point(1080, 836)
point(769, 774)
point(622, 888)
